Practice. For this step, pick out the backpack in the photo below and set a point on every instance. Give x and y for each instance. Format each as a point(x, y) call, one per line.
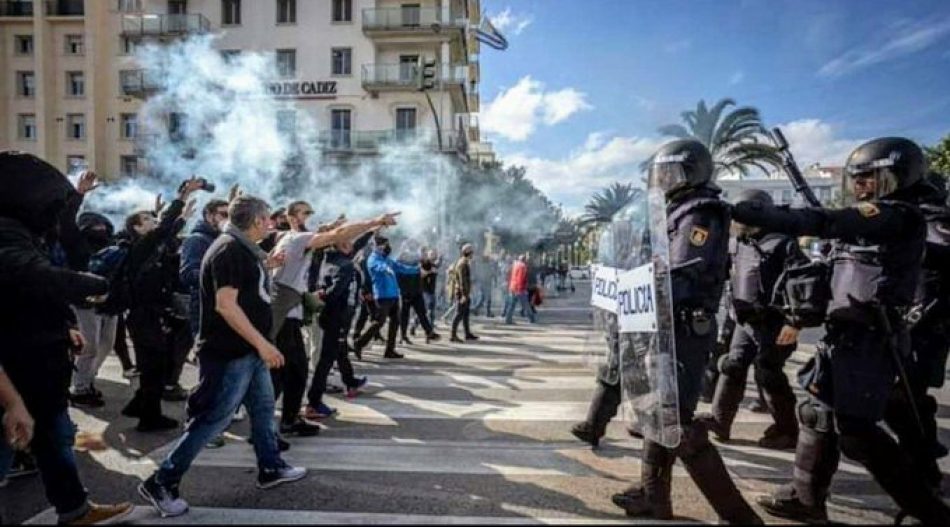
point(111, 263)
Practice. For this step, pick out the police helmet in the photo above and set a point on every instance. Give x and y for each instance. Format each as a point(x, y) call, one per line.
point(680, 165)
point(895, 163)
point(756, 195)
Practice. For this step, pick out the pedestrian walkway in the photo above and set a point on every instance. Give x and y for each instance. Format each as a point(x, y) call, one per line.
point(473, 433)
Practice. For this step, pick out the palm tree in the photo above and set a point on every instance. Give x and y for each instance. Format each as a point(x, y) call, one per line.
point(605, 204)
point(734, 139)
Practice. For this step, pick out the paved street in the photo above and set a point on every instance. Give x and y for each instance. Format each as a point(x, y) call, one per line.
point(452, 434)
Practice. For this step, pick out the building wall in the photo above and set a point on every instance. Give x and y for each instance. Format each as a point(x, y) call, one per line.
point(312, 36)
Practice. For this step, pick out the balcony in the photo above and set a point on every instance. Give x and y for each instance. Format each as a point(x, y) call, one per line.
point(65, 8)
point(16, 9)
point(138, 83)
point(411, 21)
point(371, 142)
point(163, 26)
point(396, 77)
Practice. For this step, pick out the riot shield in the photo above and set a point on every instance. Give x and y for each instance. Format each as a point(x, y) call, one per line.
point(645, 321)
point(619, 250)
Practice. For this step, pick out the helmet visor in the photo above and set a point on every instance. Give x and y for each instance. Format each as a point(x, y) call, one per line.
point(871, 184)
point(667, 176)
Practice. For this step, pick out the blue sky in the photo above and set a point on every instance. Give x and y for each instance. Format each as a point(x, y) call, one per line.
point(580, 92)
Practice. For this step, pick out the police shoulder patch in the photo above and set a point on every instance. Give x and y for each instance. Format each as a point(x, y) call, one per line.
point(698, 236)
point(868, 209)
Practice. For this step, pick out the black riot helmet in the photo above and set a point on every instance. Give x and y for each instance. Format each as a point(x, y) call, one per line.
point(895, 163)
point(756, 195)
point(680, 165)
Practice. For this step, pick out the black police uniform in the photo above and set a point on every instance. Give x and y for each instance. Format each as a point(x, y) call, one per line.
point(875, 263)
point(758, 263)
point(930, 342)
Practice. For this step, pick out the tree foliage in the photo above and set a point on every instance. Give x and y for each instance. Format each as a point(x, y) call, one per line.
point(939, 156)
point(609, 201)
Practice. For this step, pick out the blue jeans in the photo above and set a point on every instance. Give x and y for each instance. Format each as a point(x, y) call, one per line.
point(223, 386)
point(522, 300)
point(52, 446)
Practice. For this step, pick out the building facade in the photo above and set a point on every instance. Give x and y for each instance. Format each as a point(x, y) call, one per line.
point(824, 181)
point(72, 90)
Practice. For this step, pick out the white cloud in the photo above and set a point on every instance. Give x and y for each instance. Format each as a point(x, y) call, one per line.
point(508, 20)
point(516, 112)
point(601, 160)
point(906, 38)
point(737, 77)
point(815, 141)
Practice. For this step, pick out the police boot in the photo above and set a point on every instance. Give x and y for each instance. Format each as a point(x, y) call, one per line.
point(725, 406)
point(816, 461)
point(651, 496)
point(705, 466)
point(603, 407)
point(780, 400)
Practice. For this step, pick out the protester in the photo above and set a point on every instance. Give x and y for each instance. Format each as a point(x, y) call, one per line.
point(429, 268)
point(193, 249)
point(485, 276)
point(383, 270)
point(17, 425)
point(39, 326)
point(463, 294)
point(518, 291)
point(235, 356)
point(410, 290)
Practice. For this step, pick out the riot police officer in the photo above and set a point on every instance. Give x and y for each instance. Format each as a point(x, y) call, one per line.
point(764, 335)
point(875, 266)
point(698, 228)
point(914, 420)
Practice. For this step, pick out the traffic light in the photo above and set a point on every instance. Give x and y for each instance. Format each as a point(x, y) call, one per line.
point(427, 75)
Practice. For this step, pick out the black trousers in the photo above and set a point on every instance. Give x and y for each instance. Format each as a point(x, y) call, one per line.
point(332, 349)
point(151, 339)
point(291, 380)
point(414, 303)
point(462, 315)
point(122, 343)
point(181, 343)
point(386, 309)
point(367, 312)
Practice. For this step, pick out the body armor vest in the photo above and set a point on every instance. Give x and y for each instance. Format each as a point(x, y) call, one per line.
point(706, 290)
point(758, 263)
point(934, 282)
point(866, 277)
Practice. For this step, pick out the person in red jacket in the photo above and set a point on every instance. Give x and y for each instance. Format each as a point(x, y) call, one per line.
point(518, 290)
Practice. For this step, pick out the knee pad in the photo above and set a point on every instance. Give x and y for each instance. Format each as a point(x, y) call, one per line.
point(695, 439)
point(732, 368)
point(815, 417)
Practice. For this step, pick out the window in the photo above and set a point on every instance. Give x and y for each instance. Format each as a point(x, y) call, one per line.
point(824, 194)
point(76, 164)
point(286, 62)
point(177, 7)
point(26, 127)
point(128, 166)
point(75, 84)
point(230, 12)
point(342, 10)
point(342, 59)
point(286, 11)
point(23, 44)
point(130, 126)
point(411, 14)
point(405, 123)
point(128, 46)
point(340, 125)
point(408, 68)
point(176, 126)
point(76, 127)
point(74, 45)
point(786, 197)
point(26, 84)
point(129, 6)
point(287, 121)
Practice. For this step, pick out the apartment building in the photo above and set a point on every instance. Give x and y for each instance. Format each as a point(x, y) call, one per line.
point(71, 89)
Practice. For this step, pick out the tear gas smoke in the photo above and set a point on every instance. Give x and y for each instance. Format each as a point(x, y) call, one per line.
point(214, 117)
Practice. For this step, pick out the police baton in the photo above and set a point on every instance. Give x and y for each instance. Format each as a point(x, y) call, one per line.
point(892, 344)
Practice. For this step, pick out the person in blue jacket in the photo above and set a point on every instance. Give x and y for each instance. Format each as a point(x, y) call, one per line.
point(383, 270)
point(193, 250)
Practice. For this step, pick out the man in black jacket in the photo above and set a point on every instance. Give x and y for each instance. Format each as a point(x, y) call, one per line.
point(147, 320)
point(39, 326)
point(410, 289)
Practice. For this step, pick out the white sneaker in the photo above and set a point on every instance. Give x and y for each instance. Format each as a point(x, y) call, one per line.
point(268, 479)
point(240, 414)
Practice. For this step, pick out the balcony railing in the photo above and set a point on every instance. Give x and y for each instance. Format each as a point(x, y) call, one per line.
point(394, 76)
point(374, 141)
point(65, 8)
point(408, 19)
point(138, 83)
point(13, 8)
point(153, 25)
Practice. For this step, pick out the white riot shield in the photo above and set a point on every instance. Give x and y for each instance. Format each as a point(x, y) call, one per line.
point(645, 321)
